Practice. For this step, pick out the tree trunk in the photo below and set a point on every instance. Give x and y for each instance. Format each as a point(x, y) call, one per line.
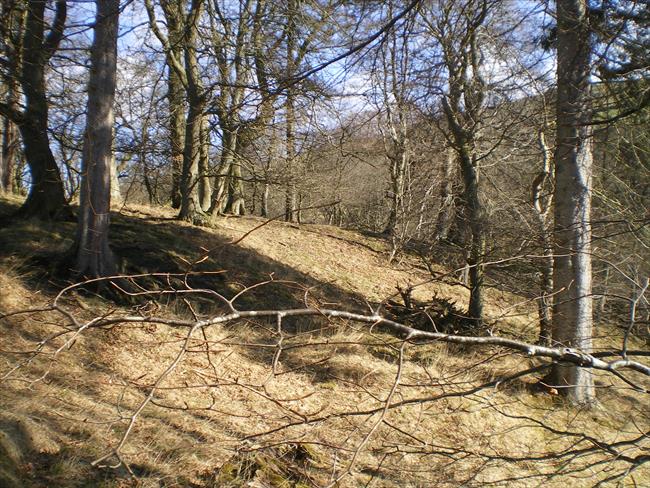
point(3, 169)
point(46, 198)
point(176, 126)
point(10, 144)
point(476, 252)
point(220, 194)
point(446, 212)
point(572, 312)
point(235, 205)
point(116, 192)
point(290, 114)
point(265, 200)
point(290, 189)
point(191, 210)
point(542, 207)
point(205, 192)
point(398, 166)
point(94, 256)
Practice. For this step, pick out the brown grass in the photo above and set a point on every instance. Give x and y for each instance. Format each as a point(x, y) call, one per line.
point(59, 413)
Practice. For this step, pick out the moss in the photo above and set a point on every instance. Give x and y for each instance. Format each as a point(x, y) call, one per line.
point(277, 468)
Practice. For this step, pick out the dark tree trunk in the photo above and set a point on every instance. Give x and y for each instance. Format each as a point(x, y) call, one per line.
point(94, 256)
point(290, 114)
point(476, 252)
point(205, 192)
point(446, 213)
point(176, 130)
point(191, 210)
point(46, 198)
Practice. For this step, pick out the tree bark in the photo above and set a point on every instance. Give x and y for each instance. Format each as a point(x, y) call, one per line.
point(572, 313)
point(447, 207)
point(290, 188)
point(221, 191)
point(476, 252)
point(290, 114)
point(191, 210)
point(94, 256)
point(542, 206)
point(398, 166)
point(46, 198)
point(175, 98)
point(205, 192)
point(235, 205)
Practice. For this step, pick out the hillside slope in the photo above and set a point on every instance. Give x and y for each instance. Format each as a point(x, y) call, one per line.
point(313, 402)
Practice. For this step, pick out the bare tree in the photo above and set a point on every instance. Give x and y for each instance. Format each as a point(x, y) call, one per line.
point(175, 98)
point(94, 256)
point(394, 69)
point(232, 42)
point(11, 38)
point(457, 28)
point(188, 71)
point(46, 198)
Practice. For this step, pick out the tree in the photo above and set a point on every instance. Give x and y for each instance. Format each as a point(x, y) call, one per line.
point(188, 71)
point(46, 198)
point(233, 39)
point(11, 39)
point(94, 256)
point(457, 30)
point(395, 126)
point(572, 280)
point(175, 98)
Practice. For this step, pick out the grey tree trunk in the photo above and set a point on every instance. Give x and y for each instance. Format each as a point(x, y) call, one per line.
point(264, 212)
point(116, 192)
point(398, 167)
point(235, 205)
point(394, 87)
point(572, 312)
point(94, 256)
point(221, 190)
point(542, 204)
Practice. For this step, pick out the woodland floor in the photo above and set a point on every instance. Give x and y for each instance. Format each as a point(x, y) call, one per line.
point(227, 417)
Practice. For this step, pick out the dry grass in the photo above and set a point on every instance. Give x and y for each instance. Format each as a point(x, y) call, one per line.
point(202, 429)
